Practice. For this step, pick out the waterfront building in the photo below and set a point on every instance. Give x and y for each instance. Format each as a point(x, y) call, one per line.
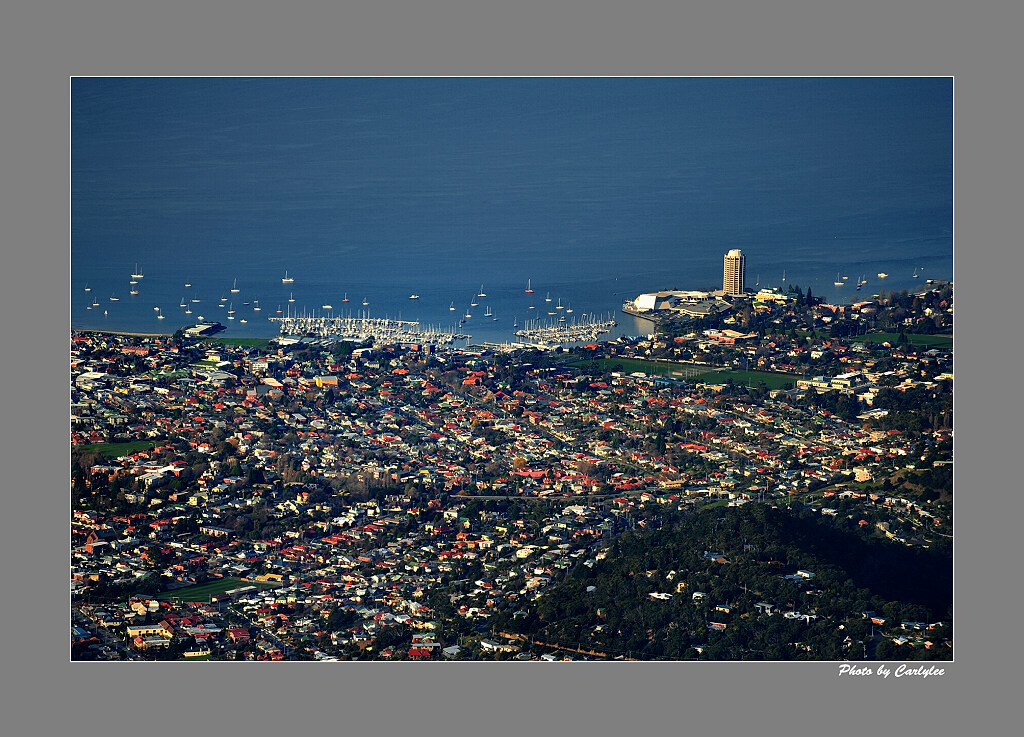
point(734, 273)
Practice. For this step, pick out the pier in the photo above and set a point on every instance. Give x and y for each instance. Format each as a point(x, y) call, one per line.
point(377, 329)
point(552, 332)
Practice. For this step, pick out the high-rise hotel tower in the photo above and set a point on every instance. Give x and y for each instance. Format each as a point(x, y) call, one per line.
point(733, 275)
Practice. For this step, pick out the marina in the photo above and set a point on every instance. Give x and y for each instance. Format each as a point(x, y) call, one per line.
point(552, 332)
point(377, 329)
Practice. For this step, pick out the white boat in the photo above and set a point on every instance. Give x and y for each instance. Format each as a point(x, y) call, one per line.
point(133, 291)
point(188, 310)
point(468, 314)
point(183, 303)
point(559, 305)
point(223, 299)
point(473, 302)
point(287, 279)
point(231, 309)
point(365, 302)
point(291, 297)
point(159, 314)
point(515, 322)
point(156, 309)
point(548, 298)
point(87, 287)
point(234, 287)
point(882, 275)
point(138, 272)
point(531, 307)
point(188, 285)
point(487, 312)
point(482, 293)
point(95, 302)
point(568, 309)
point(196, 298)
point(529, 290)
point(326, 307)
point(414, 296)
point(114, 298)
point(451, 307)
point(839, 280)
point(256, 305)
point(915, 273)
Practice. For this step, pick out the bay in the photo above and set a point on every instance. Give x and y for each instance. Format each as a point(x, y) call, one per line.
point(592, 189)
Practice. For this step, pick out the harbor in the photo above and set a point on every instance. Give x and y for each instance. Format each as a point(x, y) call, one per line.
point(377, 329)
point(553, 332)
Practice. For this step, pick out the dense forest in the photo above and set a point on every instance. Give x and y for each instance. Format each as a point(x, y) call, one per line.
point(739, 559)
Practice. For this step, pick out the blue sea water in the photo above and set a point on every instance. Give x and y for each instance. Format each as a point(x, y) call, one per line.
point(593, 189)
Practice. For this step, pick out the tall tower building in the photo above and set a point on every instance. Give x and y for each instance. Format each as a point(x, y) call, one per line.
point(734, 272)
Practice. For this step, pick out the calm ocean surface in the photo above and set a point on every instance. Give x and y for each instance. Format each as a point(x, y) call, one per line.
point(594, 190)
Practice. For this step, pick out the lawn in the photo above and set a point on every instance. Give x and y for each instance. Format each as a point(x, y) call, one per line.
point(930, 341)
point(689, 372)
point(203, 591)
point(117, 450)
point(631, 365)
point(251, 342)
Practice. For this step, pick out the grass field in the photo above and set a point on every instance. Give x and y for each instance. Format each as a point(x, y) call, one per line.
point(688, 372)
point(237, 341)
point(116, 450)
point(931, 341)
point(203, 591)
point(631, 365)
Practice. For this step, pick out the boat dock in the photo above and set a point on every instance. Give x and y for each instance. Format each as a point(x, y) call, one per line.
point(551, 332)
point(377, 329)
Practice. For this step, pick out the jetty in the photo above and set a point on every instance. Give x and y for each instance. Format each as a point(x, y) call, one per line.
point(552, 332)
point(378, 329)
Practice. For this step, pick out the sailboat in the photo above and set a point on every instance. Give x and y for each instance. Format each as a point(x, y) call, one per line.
point(451, 307)
point(365, 302)
point(196, 298)
point(287, 279)
point(95, 302)
point(114, 298)
point(559, 305)
point(223, 299)
point(159, 314)
point(482, 293)
point(548, 298)
point(87, 287)
point(568, 309)
point(915, 273)
point(256, 305)
point(839, 280)
point(183, 303)
point(138, 273)
point(188, 284)
point(234, 287)
point(414, 296)
point(515, 322)
point(468, 314)
point(279, 309)
point(291, 297)
point(188, 310)
point(529, 290)
point(487, 311)
point(345, 298)
point(231, 310)
point(133, 290)
point(473, 302)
